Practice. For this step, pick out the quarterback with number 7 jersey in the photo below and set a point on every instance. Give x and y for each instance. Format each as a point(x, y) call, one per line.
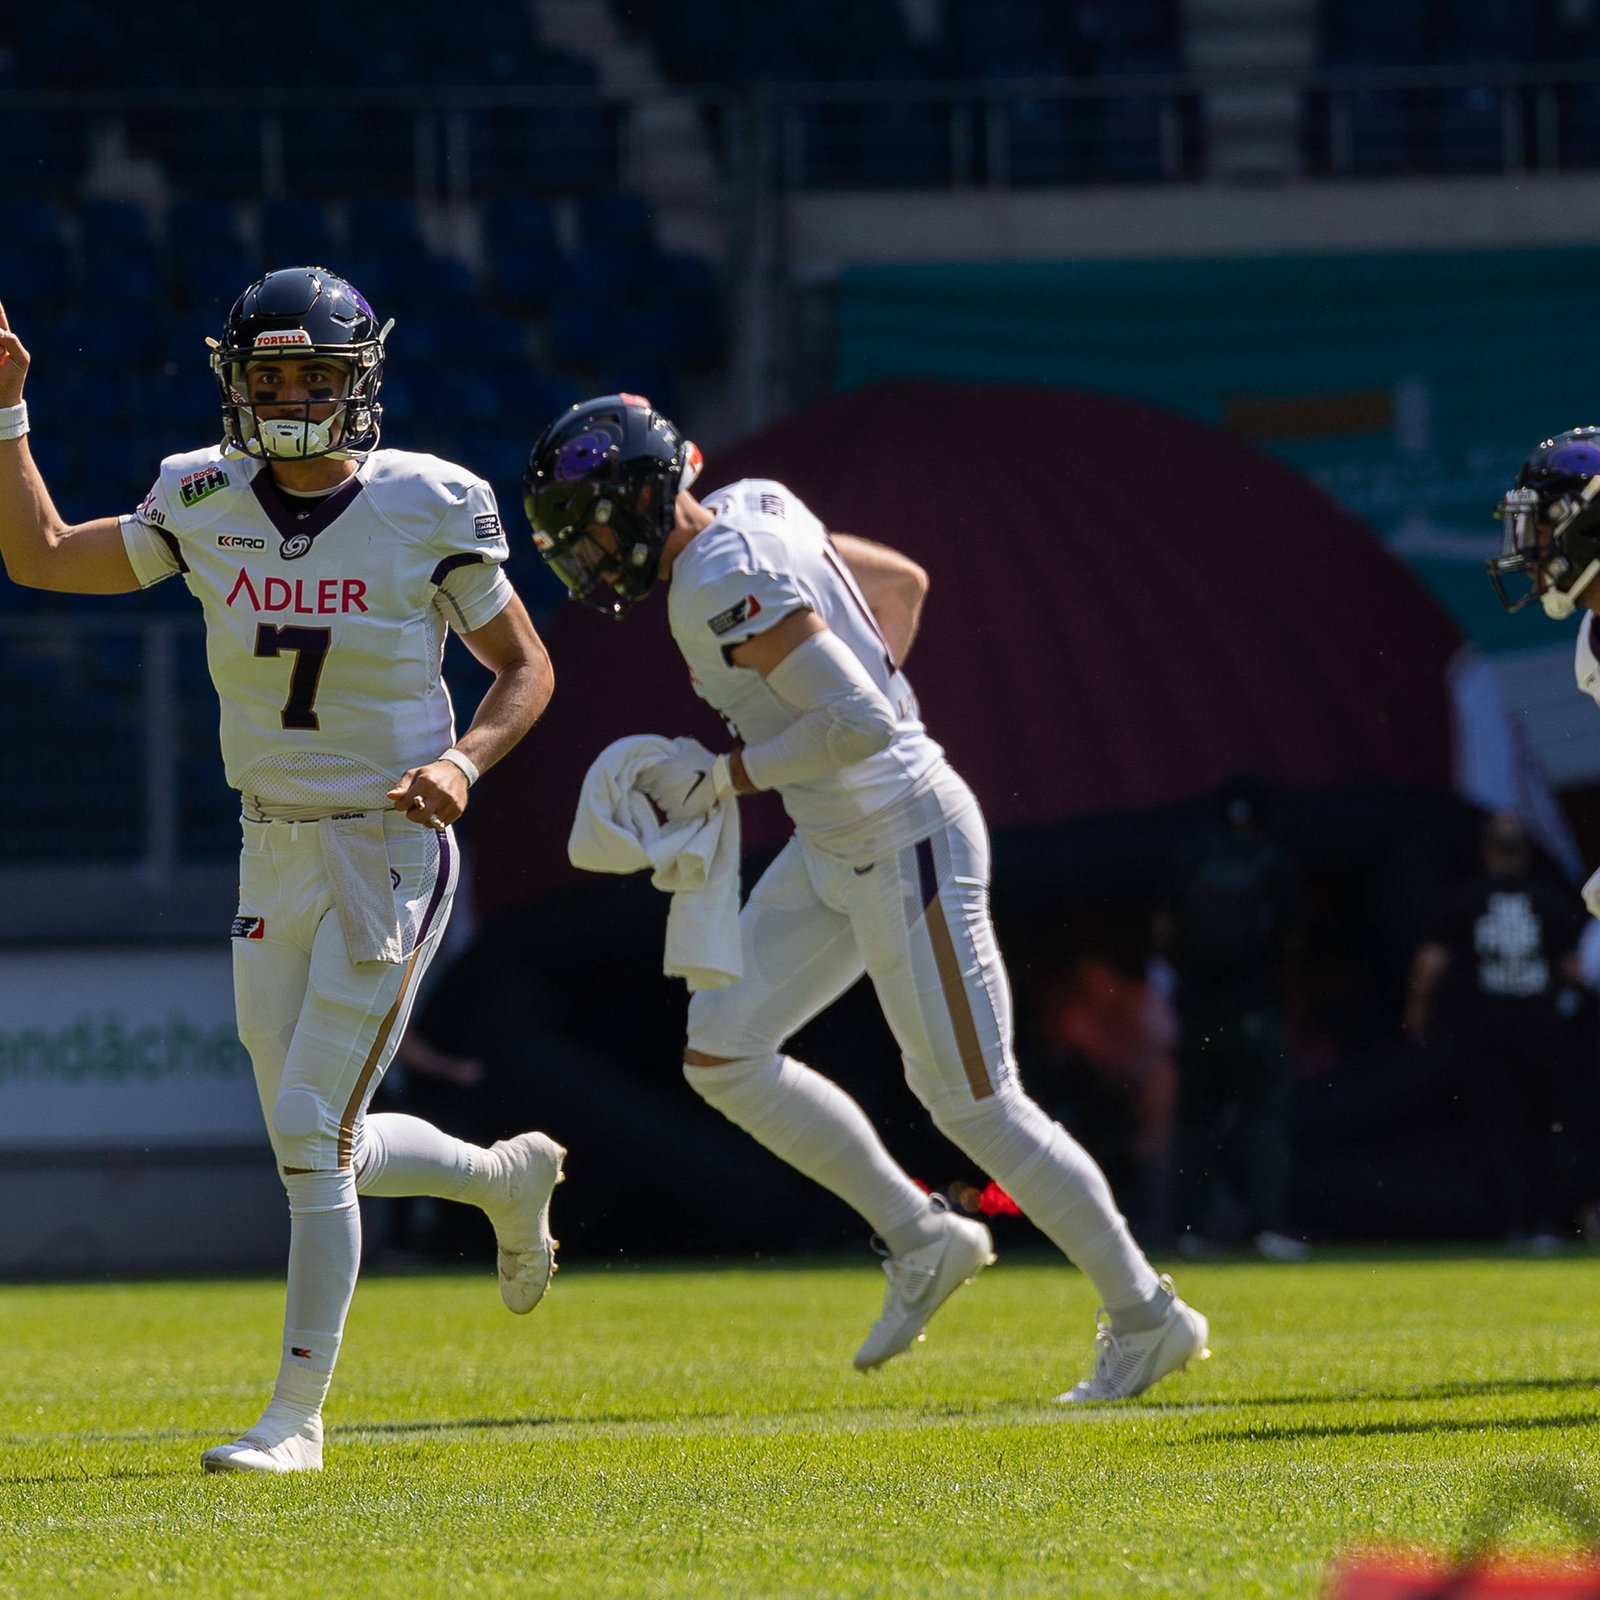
point(328, 571)
point(797, 637)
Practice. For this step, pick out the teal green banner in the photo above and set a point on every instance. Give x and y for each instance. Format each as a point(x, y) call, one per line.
point(1409, 386)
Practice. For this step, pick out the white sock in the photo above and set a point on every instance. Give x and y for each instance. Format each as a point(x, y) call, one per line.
point(324, 1256)
point(401, 1155)
point(1062, 1192)
point(819, 1130)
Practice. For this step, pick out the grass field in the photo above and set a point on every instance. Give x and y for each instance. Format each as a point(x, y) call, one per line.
point(699, 1431)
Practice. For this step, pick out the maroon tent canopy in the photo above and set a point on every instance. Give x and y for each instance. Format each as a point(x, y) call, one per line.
point(1126, 606)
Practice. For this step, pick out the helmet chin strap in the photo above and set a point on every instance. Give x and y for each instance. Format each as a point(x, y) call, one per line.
point(1559, 604)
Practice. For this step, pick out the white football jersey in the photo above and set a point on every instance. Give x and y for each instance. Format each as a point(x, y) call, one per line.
point(1586, 665)
point(765, 556)
point(325, 617)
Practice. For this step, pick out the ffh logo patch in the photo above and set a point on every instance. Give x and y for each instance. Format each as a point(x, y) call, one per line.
point(249, 928)
point(486, 526)
point(741, 612)
point(197, 485)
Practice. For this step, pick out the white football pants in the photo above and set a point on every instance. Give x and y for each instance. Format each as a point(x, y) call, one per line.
point(917, 923)
point(321, 1029)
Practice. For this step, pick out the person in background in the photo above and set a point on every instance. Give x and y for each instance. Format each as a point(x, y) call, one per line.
point(328, 572)
point(1496, 976)
point(1228, 927)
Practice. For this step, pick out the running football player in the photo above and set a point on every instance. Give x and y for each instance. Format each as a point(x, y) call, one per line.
point(327, 571)
point(798, 637)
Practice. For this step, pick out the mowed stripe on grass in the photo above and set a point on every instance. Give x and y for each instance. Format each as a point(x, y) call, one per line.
point(698, 1430)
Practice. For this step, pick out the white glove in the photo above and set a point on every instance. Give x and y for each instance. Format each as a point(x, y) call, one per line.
point(1591, 895)
point(682, 784)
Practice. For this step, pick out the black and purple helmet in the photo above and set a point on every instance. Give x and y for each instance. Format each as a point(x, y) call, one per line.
point(614, 464)
point(1551, 525)
point(296, 312)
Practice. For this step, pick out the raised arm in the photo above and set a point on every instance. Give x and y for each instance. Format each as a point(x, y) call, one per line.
point(39, 549)
point(893, 585)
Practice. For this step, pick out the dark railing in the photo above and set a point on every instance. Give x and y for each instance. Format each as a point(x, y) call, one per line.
point(471, 144)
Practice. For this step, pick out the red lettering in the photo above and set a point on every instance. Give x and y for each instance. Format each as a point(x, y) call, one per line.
point(249, 588)
point(328, 595)
point(300, 596)
point(277, 595)
point(354, 595)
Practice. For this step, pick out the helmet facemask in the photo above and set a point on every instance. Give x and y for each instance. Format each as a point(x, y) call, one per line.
point(296, 431)
point(1552, 538)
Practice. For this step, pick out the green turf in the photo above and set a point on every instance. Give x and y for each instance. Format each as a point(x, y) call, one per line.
point(701, 1432)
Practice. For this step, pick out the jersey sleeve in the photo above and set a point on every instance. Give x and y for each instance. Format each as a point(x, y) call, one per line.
point(472, 594)
point(472, 526)
point(729, 607)
point(148, 538)
point(471, 545)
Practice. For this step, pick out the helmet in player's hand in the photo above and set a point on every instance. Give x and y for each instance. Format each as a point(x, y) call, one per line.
point(1551, 525)
point(600, 491)
point(292, 313)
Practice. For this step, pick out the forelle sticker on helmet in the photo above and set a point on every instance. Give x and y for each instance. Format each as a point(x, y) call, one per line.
point(296, 338)
point(580, 456)
point(743, 611)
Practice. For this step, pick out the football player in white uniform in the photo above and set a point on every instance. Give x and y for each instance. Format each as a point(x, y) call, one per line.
point(328, 571)
point(797, 636)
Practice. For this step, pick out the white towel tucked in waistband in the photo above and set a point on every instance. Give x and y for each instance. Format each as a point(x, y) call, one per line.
point(618, 829)
point(357, 863)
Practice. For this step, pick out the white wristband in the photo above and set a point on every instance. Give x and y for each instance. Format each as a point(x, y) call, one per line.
point(465, 763)
point(722, 779)
point(14, 420)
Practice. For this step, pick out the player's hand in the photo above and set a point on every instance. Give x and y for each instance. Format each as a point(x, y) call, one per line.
point(680, 784)
point(14, 361)
point(433, 796)
point(1591, 895)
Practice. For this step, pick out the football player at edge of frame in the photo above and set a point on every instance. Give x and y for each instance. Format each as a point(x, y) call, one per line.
point(327, 571)
point(796, 636)
point(1550, 538)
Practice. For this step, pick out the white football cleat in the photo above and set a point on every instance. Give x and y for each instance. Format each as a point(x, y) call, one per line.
point(1127, 1364)
point(920, 1282)
point(529, 1168)
point(270, 1446)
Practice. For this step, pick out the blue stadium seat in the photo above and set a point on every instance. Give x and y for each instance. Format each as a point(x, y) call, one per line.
point(295, 229)
point(577, 328)
point(202, 223)
point(47, 151)
point(616, 220)
point(204, 150)
point(103, 223)
point(609, 272)
point(210, 278)
point(523, 272)
point(127, 276)
point(383, 222)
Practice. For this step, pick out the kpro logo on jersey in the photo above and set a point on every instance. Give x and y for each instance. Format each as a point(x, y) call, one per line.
point(249, 928)
point(288, 338)
point(197, 485)
point(727, 621)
